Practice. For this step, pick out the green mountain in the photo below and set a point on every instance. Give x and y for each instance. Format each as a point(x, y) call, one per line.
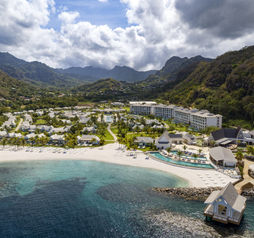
point(13, 93)
point(42, 75)
point(175, 69)
point(106, 89)
point(120, 73)
point(11, 89)
point(34, 72)
point(225, 86)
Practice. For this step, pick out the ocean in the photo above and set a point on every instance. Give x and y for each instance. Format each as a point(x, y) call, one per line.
point(94, 199)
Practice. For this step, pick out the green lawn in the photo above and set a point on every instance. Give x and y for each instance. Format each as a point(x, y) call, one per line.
point(114, 130)
point(40, 122)
point(108, 136)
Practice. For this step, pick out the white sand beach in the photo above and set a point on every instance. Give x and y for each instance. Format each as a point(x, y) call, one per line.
point(111, 153)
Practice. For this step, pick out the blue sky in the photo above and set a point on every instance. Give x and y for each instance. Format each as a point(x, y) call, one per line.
point(111, 13)
point(101, 36)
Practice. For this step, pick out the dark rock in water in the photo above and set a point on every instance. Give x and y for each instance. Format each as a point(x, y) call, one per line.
point(196, 194)
point(124, 193)
point(249, 194)
point(170, 224)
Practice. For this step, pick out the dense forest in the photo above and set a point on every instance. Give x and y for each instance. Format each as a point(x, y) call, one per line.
point(225, 86)
point(17, 95)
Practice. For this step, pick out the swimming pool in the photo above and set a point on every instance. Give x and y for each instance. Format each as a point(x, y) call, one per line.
point(188, 156)
point(181, 163)
point(108, 119)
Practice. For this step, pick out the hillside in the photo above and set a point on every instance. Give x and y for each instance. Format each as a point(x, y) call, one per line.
point(13, 92)
point(173, 72)
point(11, 88)
point(174, 69)
point(107, 89)
point(225, 86)
point(34, 72)
point(120, 73)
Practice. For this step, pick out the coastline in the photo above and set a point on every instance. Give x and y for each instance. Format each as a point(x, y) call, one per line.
point(201, 178)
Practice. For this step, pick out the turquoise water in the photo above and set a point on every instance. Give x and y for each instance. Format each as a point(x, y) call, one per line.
point(87, 199)
point(183, 163)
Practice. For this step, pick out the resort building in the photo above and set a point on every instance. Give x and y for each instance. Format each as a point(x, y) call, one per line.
point(164, 112)
point(189, 138)
point(57, 139)
point(144, 141)
point(227, 136)
point(182, 115)
point(175, 138)
point(225, 206)
point(89, 129)
point(222, 157)
point(3, 134)
point(88, 140)
point(163, 142)
point(202, 119)
point(193, 117)
point(30, 137)
point(142, 108)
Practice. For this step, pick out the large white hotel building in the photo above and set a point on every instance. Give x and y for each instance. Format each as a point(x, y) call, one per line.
point(198, 119)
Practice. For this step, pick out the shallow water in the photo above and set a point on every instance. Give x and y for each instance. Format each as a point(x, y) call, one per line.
point(88, 199)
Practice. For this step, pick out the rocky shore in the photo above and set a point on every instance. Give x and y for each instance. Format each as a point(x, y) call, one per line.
point(248, 194)
point(196, 194)
point(177, 225)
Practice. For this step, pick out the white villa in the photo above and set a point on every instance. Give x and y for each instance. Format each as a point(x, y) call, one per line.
point(225, 206)
point(163, 142)
point(57, 139)
point(88, 139)
point(222, 157)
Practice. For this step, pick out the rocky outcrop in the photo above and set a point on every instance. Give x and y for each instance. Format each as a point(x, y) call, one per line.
point(249, 194)
point(196, 194)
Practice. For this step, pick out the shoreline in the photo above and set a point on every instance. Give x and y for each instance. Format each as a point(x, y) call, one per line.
point(201, 178)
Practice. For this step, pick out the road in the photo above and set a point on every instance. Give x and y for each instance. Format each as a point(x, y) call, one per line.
point(19, 125)
point(114, 136)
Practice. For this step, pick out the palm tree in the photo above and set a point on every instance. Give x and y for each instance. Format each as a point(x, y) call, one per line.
point(4, 141)
point(184, 148)
point(239, 155)
point(250, 150)
point(179, 153)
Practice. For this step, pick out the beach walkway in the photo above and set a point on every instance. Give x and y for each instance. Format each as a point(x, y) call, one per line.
point(19, 125)
point(246, 178)
point(111, 132)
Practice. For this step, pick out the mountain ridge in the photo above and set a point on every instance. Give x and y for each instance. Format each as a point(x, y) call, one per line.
point(120, 73)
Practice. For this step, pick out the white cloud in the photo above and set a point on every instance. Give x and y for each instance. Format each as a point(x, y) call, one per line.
point(156, 32)
point(103, 0)
point(68, 17)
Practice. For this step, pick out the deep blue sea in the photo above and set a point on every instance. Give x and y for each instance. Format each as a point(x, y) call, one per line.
point(88, 199)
